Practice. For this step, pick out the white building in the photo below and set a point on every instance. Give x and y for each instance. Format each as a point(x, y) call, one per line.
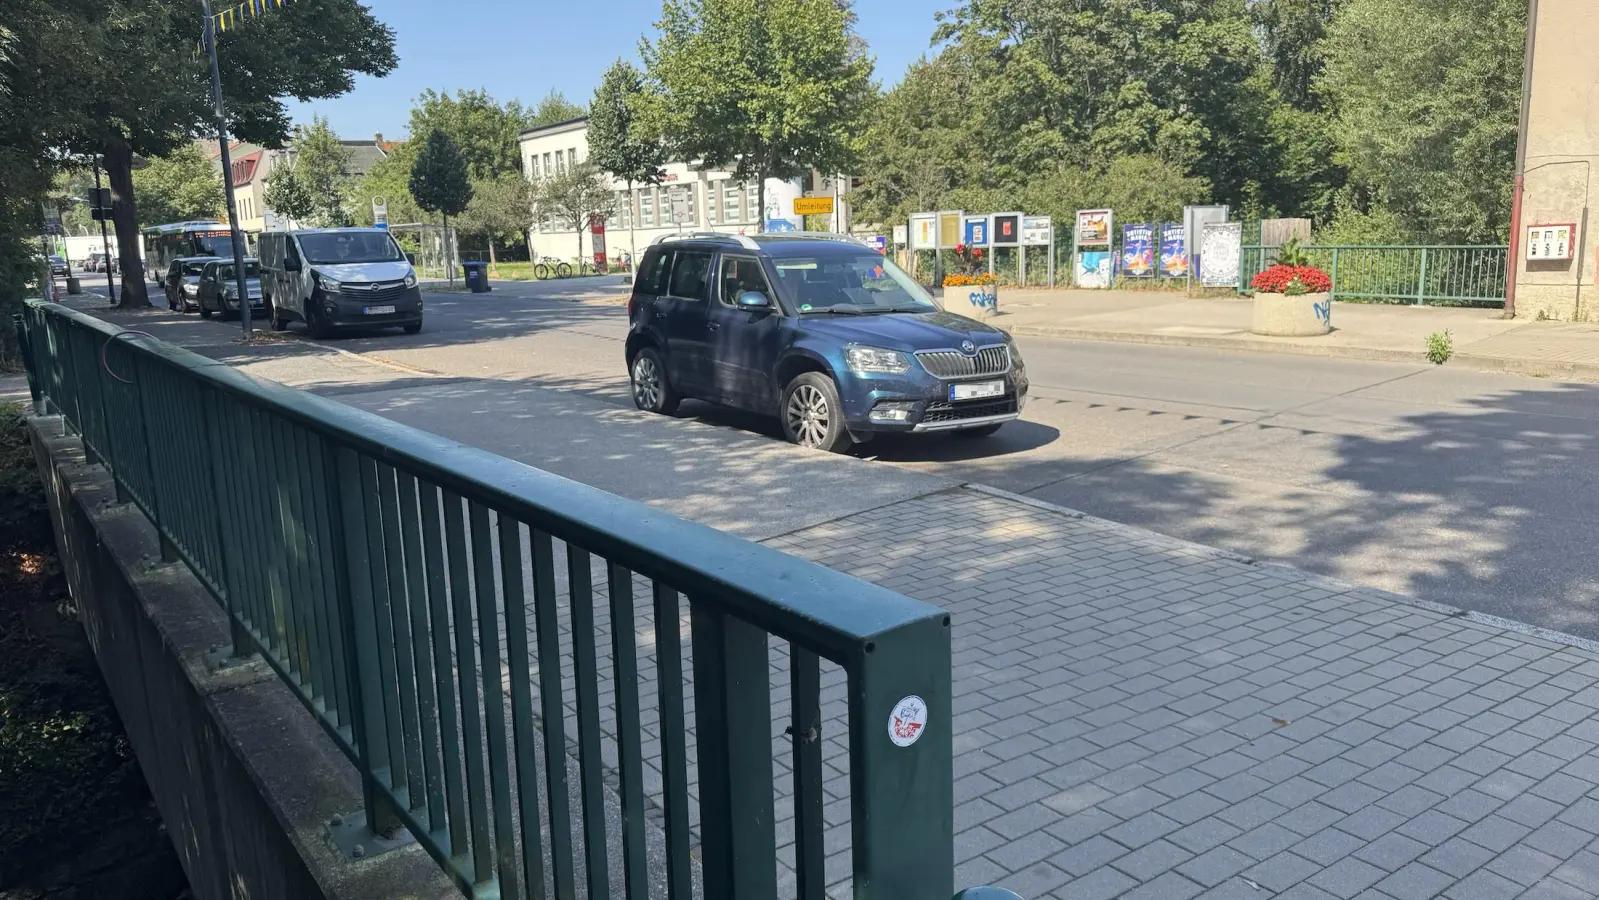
point(715, 201)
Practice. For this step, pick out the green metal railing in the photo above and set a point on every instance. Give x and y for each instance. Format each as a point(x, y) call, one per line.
point(410, 591)
point(1424, 276)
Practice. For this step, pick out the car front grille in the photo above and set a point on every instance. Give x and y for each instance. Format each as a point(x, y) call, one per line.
point(944, 412)
point(374, 293)
point(993, 360)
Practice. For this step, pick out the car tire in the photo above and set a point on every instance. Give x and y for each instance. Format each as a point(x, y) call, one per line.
point(204, 313)
point(414, 328)
point(315, 324)
point(652, 389)
point(813, 415)
point(275, 320)
point(985, 431)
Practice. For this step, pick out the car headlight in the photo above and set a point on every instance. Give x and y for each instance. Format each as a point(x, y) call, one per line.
point(410, 280)
point(191, 289)
point(329, 285)
point(875, 359)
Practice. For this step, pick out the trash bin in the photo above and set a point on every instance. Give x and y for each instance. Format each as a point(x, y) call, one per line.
point(477, 276)
point(74, 286)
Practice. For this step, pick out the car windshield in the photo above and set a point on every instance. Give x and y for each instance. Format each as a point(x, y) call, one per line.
point(333, 247)
point(863, 283)
point(252, 269)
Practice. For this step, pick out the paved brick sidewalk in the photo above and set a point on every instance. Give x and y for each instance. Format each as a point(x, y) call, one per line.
point(1142, 718)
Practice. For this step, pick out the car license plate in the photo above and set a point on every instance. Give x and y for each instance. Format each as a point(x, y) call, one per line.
point(380, 310)
point(976, 390)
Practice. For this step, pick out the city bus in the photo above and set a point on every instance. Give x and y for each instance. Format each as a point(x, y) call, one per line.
point(164, 243)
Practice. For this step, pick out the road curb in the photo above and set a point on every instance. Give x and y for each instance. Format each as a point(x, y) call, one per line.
point(1466, 360)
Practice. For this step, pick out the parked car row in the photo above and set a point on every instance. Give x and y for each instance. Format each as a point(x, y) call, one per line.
point(207, 283)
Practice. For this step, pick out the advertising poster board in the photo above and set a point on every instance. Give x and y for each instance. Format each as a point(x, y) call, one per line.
point(1007, 229)
point(1138, 250)
point(949, 229)
point(1093, 269)
point(878, 242)
point(1221, 249)
point(1037, 231)
point(902, 235)
point(1173, 251)
point(1093, 227)
point(924, 231)
point(975, 231)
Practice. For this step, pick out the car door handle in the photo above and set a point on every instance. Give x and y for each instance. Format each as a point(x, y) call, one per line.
point(713, 326)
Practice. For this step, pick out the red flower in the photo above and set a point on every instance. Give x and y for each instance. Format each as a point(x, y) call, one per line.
point(960, 248)
point(1276, 279)
point(977, 254)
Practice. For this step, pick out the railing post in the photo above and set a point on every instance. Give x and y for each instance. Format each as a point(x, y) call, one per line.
point(1334, 294)
point(732, 692)
point(1421, 286)
point(901, 766)
point(353, 594)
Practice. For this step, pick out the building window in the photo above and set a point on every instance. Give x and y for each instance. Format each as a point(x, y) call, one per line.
point(624, 209)
point(646, 207)
point(535, 167)
point(560, 161)
point(754, 212)
point(732, 201)
point(571, 156)
point(549, 169)
point(713, 196)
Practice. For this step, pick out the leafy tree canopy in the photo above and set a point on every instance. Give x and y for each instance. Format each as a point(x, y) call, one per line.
point(484, 130)
point(439, 180)
point(184, 184)
point(622, 139)
point(554, 108)
point(313, 187)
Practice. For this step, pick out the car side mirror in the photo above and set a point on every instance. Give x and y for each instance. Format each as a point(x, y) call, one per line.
point(753, 300)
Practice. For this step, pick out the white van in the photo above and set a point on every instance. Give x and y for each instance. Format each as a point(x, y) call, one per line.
point(338, 278)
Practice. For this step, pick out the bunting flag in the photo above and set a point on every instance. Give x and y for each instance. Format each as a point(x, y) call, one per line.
point(231, 19)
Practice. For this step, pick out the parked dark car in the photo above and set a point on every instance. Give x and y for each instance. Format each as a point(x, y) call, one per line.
point(181, 282)
point(58, 266)
point(219, 291)
point(821, 331)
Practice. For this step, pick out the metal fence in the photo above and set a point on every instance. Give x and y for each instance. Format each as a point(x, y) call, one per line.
point(450, 616)
point(1426, 276)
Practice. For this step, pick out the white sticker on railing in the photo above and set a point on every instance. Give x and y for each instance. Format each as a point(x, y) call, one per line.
point(907, 721)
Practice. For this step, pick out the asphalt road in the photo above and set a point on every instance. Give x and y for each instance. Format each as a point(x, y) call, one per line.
point(1479, 491)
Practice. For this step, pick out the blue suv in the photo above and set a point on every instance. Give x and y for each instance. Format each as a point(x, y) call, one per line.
point(819, 330)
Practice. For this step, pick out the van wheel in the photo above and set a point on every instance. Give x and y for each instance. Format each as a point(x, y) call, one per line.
point(414, 328)
point(275, 319)
point(204, 313)
point(813, 415)
point(315, 324)
point(652, 389)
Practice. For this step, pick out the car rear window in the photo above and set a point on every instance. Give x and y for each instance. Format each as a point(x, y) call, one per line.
point(689, 273)
point(652, 274)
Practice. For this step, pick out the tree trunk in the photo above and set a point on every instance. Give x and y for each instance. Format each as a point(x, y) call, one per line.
point(449, 263)
point(125, 216)
point(580, 249)
point(760, 191)
point(494, 264)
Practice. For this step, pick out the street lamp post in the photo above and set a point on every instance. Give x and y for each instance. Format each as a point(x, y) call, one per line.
point(227, 174)
point(105, 237)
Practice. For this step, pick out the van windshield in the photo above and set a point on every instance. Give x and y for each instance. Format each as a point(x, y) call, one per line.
point(334, 247)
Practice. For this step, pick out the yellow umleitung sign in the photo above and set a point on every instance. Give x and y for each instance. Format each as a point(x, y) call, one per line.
point(813, 206)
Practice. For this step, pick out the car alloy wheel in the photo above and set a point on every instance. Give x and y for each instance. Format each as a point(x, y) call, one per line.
point(809, 416)
point(646, 383)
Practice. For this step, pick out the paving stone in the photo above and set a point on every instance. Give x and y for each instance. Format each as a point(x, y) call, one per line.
point(1137, 832)
point(1215, 866)
point(1100, 884)
point(1524, 865)
point(1282, 871)
point(1484, 885)
point(1348, 877)
point(1169, 886)
point(1415, 882)
point(1151, 860)
point(1328, 846)
point(1088, 855)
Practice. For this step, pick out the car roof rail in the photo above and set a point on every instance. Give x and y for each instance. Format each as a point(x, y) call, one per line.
point(814, 236)
point(718, 236)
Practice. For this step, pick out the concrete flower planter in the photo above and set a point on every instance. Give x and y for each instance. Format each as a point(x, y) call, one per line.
point(1280, 315)
point(975, 300)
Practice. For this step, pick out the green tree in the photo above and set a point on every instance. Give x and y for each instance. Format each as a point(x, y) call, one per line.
point(134, 87)
point(570, 197)
point(500, 206)
point(1293, 32)
point(762, 88)
point(313, 186)
point(182, 185)
point(439, 181)
point(554, 108)
point(389, 178)
point(920, 145)
point(621, 137)
point(484, 130)
point(1425, 97)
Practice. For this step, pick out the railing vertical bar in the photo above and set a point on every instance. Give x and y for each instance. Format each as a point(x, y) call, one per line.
point(732, 691)
point(383, 629)
point(287, 557)
point(405, 664)
point(521, 674)
point(585, 669)
point(311, 574)
point(444, 669)
point(488, 621)
point(369, 713)
point(630, 755)
point(322, 517)
point(264, 436)
point(674, 747)
point(260, 521)
point(421, 641)
point(243, 553)
point(547, 618)
point(223, 518)
point(298, 558)
point(466, 662)
point(810, 854)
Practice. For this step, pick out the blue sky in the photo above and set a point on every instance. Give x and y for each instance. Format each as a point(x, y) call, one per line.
point(522, 50)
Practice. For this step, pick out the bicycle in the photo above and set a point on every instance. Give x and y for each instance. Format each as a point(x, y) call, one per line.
point(550, 267)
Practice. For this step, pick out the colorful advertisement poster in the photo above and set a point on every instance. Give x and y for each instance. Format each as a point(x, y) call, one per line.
point(1173, 251)
point(1007, 229)
point(975, 232)
point(1138, 250)
point(1093, 269)
point(1036, 231)
point(924, 231)
point(1093, 227)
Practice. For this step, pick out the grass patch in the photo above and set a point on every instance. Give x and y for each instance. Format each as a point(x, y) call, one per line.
point(1440, 347)
point(74, 798)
